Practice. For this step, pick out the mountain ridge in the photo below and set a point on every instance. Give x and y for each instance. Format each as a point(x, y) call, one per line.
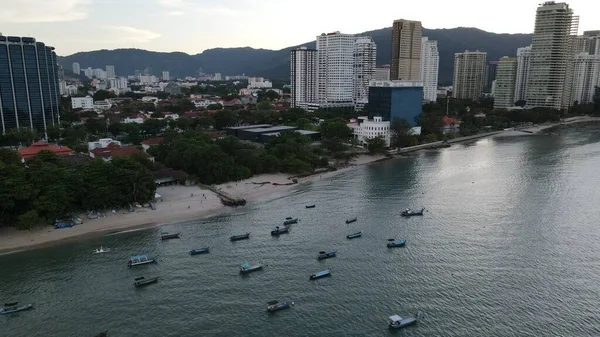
point(274, 64)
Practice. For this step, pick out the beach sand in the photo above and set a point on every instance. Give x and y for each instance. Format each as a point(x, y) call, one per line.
point(179, 203)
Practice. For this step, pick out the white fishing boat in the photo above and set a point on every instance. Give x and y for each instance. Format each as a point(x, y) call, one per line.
point(101, 250)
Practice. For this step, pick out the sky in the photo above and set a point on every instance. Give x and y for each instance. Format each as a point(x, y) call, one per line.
point(192, 26)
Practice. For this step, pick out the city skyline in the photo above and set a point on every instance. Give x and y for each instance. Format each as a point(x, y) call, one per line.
point(182, 25)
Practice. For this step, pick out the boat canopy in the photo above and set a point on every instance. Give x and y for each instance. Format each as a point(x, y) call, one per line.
point(395, 318)
point(246, 265)
point(326, 271)
point(139, 257)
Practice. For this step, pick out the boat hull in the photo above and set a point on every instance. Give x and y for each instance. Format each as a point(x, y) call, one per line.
point(326, 256)
point(277, 307)
point(250, 270)
point(404, 322)
point(351, 220)
point(311, 206)
point(240, 237)
point(170, 236)
point(279, 232)
point(130, 264)
point(290, 222)
point(319, 275)
point(199, 251)
point(5, 311)
point(396, 244)
point(354, 236)
point(146, 282)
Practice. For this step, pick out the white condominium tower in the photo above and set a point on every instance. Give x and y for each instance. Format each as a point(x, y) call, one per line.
point(589, 42)
point(76, 68)
point(303, 76)
point(335, 68)
point(469, 73)
point(523, 65)
point(551, 51)
point(430, 63)
point(586, 77)
point(406, 50)
point(365, 52)
point(506, 76)
point(110, 72)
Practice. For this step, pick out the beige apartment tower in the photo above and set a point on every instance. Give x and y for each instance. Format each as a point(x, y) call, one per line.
point(506, 79)
point(554, 39)
point(469, 73)
point(406, 50)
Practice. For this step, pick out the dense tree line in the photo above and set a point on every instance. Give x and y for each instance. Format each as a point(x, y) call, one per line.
point(47, 188)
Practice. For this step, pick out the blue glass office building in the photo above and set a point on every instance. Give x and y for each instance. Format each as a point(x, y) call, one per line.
point(391, 99)
point(29, 91)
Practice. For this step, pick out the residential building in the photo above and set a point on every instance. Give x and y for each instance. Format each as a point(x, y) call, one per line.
point(173, 89)
point(506, 77)
point(148, 79)
point(146, 144)
point(110, 72)
point(490, 75)
point(166, 76)
point(102, 143)
point(37, 147)
point(259, 83)
point(88, 72)
point(99, 74)
point(586, 77)
point(71, 90)
point(29, 89)
point(303, 76)
point(469, 72)
point(523, 66)
point(551, 50)
point(406, 50)
point(335, 68)
point(76, 68)
point(430, 65)
point(364, 129)
point(102, 105)
point(382, 73)
point(589, 43)
point(118, 83)
point(365, 53)
point(396, 99)
point(82, 102)
point(217, 77)
point(117, 151)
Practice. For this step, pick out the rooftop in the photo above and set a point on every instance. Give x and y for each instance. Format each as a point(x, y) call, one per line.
point(249, 126)
point(35, 148)
point(271, 129)
point(153, 141)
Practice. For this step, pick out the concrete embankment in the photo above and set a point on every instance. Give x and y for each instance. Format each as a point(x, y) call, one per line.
point(451, 141)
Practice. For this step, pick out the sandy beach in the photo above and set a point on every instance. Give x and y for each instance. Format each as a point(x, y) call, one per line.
point(179, 203)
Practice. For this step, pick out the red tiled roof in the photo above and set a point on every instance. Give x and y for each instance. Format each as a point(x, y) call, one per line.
point(35, 148)
point(153, 141)
point(128, 151)
point(450, 121)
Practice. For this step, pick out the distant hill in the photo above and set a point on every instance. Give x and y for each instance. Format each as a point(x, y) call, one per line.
point(274, 64)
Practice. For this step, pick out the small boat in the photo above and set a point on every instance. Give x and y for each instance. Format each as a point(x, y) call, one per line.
point(290, 221)
point(410, 212)
point(142, 281)
point(199, 251)
point(11, 308)
point(396, 322)
point(239, 237)
point(289, 218)
point(354, 236)
point(140, 260)
point(323, 255)
point(101, 250)
point(395, 243)
point(311, 206)
point(167, 236)
point(279, 231)
point(320, 274)
point(246, 268)
point(275, 306)
point(351, 220)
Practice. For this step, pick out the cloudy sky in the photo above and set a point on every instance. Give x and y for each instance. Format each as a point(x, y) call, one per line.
point(195, 25)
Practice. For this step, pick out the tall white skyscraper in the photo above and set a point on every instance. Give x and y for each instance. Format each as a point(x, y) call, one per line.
point(469, 73)
point(589, 43)
point(303, 76)
point(76, 68)
point(430, 64)
point(504, 88)
point(523, 65)
point(110, 72)
point(335, 68)
point(552, 48)
point(586, 77)
point(166, 76)
point(365, 53)
point(99, 74)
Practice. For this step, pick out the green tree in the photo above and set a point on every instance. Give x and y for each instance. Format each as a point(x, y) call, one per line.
point(376, 145)
point(225, 118)
point(29, 220)
point(335, 128)
point(54, 133)
point(101, 95)
point(153, 127)
point(400, 129)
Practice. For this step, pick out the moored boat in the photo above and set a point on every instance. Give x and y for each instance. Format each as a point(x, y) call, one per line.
point(199, 251)
point(410, 212)
point(142, 281)
point(275, 305)
point(13, 307)
point(167, 236)
point(396, 322)
point(101, 250)
point(351, 220)
point(239, 237)
point(311, 206)
point(290, 221)
point(247, 268)
point(354, 236)
point(138, 260)
point(323, 255)
point(395, 243)
point(279, 231)
point(320, 274)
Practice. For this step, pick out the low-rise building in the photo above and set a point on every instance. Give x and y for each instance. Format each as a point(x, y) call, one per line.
point(103, 143)
point(116, 151)
point(102, 105)
point(363, 129)
point(35, 148)
point(172, 88)
point(82, 102)
point(451, 125)
point(146, 144)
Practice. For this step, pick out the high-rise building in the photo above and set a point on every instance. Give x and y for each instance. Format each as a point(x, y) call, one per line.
point(551, 50)
point(523, 65)
point(365, 53)
point(335, 69)
point(589, 43)
point(586, 77)
point(303, 76)
point(490, 75)
point(469, 72)
point(99, 73)
point(406, 50)
point(76, 68)
point(430, 63)
point(382, 73)
point(166, 76)
point(396, 99)
point(110, 72)
point(506, 77)
point(29, 88)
